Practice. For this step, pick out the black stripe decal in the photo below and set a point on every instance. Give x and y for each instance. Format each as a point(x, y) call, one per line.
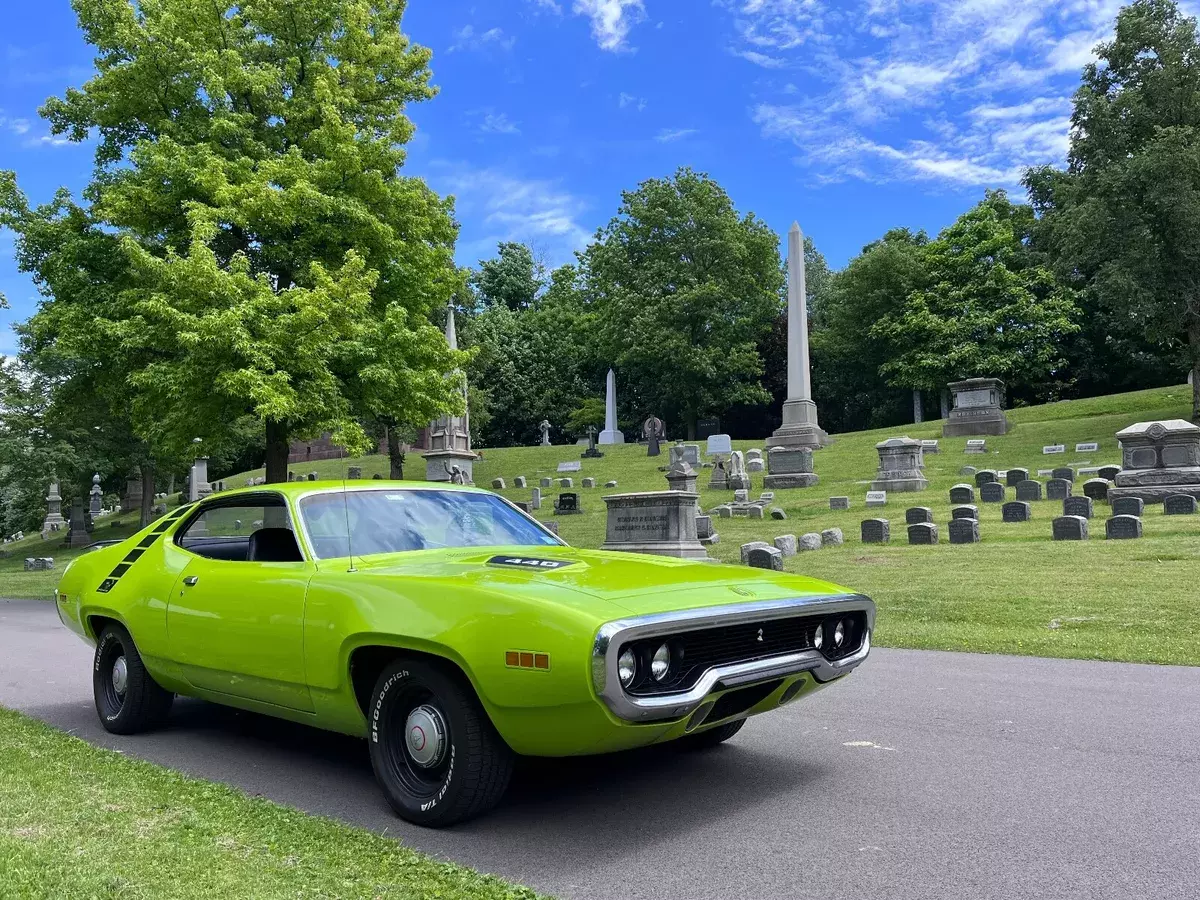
point(136, 553)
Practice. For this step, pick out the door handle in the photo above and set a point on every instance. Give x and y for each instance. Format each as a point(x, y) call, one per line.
point(191, 580)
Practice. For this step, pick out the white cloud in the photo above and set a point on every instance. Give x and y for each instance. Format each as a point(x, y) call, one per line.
point(548, 5)
point(467, 38)
point(496, 123)
point(611, 20)
point(668, 135)
point(627, 100)
point(760, 59)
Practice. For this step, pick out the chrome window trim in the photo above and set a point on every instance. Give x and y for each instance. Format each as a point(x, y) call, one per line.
point(613, 635)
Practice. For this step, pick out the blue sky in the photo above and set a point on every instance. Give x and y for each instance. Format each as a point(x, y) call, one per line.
point(850, 116)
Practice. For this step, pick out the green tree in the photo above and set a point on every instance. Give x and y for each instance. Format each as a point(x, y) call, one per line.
point(248, 159)
point(1123, 221)
point(983, 306)
point(512, 279)
point(683, 288)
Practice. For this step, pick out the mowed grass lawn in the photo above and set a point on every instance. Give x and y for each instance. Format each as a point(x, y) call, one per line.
point(1016, 592)
point(78, 822)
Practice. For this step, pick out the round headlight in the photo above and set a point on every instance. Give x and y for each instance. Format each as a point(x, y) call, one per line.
point(839, 633)
point(626, 667)
point(660, 665)
point(818, 637)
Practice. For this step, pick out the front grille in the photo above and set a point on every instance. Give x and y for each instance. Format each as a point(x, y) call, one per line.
point(695, 652)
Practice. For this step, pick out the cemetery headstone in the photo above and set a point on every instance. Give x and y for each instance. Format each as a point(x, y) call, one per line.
point(1109, 473)
point(1015, 476)
point(1123, 527)
point(536, 500)
point(875, 531)
point(755, 512)
point(1088, 447)
point(1159, 459)
point(778, 514)
point(1016, 511)
point(928, 446)
point(983, 476)
point(552, 527)
point(95, 496)
point(976, 446)
point(1128, 506)
point(923, 533)
point(962, 493)
point(876, 499)
point(736, 476)
point(977, 407)
point(899, 466)
point(719, 479)
point(964, 531)
point(611, 434)
point(1064, 472)
point(832, 537)
point(704, 530)
point(1058, 489)
point(1096, 488)
point(719, 445)
point(354, 473)
point(589, 482)
point(497, 484)
point(706, 428)
point(755, 465)
point(570, 466)
point(993, 492)
point(1052, 449)
point(839, 502)
point(544, 428)
point(54, 520)
point(786, 544)
point(765, 558)
point(566, 482)
point(662, 523)
point(522, 505)
point(1070, 528)
point(1078, 506)
point(810, 542)
point(610, 484)
point(653, 431)
point(968, 471)
point(568, 505)
point(519, 482)
point(751, 545)
point(753, 453)
point(591, 452)
point(790, 467)
point(688, 453)
point(914, 515)
point(964, 511)
point(1029, 490)
point(312, 476)
point(1179, 505)
point(742, 495)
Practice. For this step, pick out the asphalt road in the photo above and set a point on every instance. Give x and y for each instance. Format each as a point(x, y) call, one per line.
point(938, 775)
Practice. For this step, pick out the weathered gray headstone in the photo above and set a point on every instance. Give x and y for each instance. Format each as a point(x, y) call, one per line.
point(535, 501)
point(550, 526)
point(977, 407)
point(789, 467)
point(1123, 527)
point(923, 533)
point(751, 545)
point(1015, 476)
point(1058, 489)
point(832, 537)
point(964, 531)
point(993, 492)
point(589, 482)
point(755, 512)
point(968, 471)
point(662, 523)
point(1029, 490)
point(1128, 506)
point(914, 515)
point(755, 465)
point(809, 542)
point(610, 484)
point(931, 446)
point(1016, 511)
point(1179, 505)
point(899, 466)
point(976, 446)
point(765, 558)
point(566, 482)
point(1052, 449)
point(1070, 528)
point(570, 466)
point(704, 530)
point(736, 476)
point(965, 511)
point(876, 499)
point(778, 514)
point(839, 502)
point(719, 445)
point(1064, 472)
point(786, 544)
point(354, 473)
point(688, 453)
point(962, 493)
point(1096, 488)
point(1078, 506)
point(1159, 459)
point(519, 481)
point(875, 531)
point(497, 484)
point(1108, 473)
point(546, 482)
point(983, 476)
point(1088, 447)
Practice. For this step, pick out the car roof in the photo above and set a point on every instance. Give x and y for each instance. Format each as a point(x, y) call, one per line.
point(300, 488)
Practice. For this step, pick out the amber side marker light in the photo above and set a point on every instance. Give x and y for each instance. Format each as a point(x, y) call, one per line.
point(524, 659)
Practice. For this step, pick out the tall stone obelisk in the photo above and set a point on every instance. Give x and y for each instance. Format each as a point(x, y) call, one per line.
point(610, 434)
point(450, 457)
point(799, 428)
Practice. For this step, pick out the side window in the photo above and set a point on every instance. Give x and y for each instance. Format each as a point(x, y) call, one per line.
point(259, 530)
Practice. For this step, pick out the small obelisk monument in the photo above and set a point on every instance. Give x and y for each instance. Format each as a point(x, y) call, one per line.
point(450, 457)
point(799, 428)
point(610, 434)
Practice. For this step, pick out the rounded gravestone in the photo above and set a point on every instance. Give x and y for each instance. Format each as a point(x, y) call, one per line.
point(983, 476)
point(962, 493)
point(1123, 528)
point(1128, 506)
point(497, 484)
point(1064, 472)
point(752, 545)
point(875, 531)
point(832, 537)
point(1029, 491)
point(966, 511)
point(810, 541)
point(1013, 477)
point(1179, 505)
point(765, 558)
point(1070, 528)
point(1016, 511)
point(992, 492)
point(1058, 489)
point(923, 533)
point(967, 470)
point(1096, 488)
point(917, 514)
point(1078, 506)
point(964, 531)
point(1109, 473)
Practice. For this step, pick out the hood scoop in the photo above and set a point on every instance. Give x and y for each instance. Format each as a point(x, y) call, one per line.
point(533, 563)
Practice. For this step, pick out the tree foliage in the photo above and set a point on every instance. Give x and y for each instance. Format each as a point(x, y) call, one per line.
point(513, 278)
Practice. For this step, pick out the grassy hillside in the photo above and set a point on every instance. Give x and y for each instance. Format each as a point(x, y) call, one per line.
point(1016, 592)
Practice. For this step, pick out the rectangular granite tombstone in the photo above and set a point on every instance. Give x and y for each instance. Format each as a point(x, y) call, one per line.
point(1052, 449)
point(566, 482)
point(1070, 528)
point(523, 506)
point(1016, 511)
point(572, 466)
point(568, 505)
point(519, 481)
point(1109, 473)
point(962, 493)
point(964, 531)
point(719, 445)
point(704, 530)
point(976, 446)
point(875, 531)
point(789, 467)
point(1088, 447)
point(497, 484)
point(546, 481)
point(968, 471)
point(1013, 477)
point(1179, 505)
point(589, 482)
point(535, 502)
point(1058, 489)
point(1064, 472)
point(1029, 490)
point(977, 407)
point(983, 476)
point(1159, 459)
point(923, 533)
point(1078, 506)
point(1128, 506)
point(747, 547)
point(552, 527)
point(688, 453)
point(839, 502)
point(1123, 528)
point(993, 492)
point(765, 558)
point(964, 511)
point(915, 515)
point(1096, 488)
point(876, 499)
point(662, 523)
point(931, 446)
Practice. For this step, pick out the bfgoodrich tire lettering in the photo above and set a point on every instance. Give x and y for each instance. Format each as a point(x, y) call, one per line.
point(128, 700)
point(461, 776)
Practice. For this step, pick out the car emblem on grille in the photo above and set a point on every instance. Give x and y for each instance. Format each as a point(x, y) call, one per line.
point(760, 635)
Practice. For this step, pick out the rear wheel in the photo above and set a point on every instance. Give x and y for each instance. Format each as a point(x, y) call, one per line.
point(435, 753)
point(128, 700)
point(711, 737)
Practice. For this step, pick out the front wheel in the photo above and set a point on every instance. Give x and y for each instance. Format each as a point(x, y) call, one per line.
point(435, 753)
point(128, 700)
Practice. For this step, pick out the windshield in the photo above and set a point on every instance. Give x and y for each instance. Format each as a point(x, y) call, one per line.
point(393, 521)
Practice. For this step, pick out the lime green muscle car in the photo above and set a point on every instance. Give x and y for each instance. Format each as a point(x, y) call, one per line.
point(446, 626)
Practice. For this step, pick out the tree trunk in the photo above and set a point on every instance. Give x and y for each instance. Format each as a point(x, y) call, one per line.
point(395, 455)
point(945, 398)
point(278, 448)
point(918, 411)
point(691, 426)
point(147, 515)
point(1194, 341)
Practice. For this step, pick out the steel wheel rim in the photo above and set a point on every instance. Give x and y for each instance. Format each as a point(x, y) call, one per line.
point(417, 705)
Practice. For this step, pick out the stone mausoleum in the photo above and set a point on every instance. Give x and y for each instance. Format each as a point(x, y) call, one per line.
point(976, 407)
point(1158, 459)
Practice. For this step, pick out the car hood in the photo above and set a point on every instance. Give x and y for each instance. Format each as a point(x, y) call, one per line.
point(631, 583)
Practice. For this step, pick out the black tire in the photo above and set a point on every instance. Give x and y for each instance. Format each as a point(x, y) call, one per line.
point(466, 770)
point(710, 738)
point(142, 704)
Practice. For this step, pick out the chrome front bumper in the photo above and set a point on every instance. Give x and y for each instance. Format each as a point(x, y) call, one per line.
point(613, 635)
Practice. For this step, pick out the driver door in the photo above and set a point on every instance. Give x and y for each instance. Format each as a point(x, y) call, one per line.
point(236, 615)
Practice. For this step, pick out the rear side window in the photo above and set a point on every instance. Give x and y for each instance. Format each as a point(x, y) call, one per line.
point(223, 530)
